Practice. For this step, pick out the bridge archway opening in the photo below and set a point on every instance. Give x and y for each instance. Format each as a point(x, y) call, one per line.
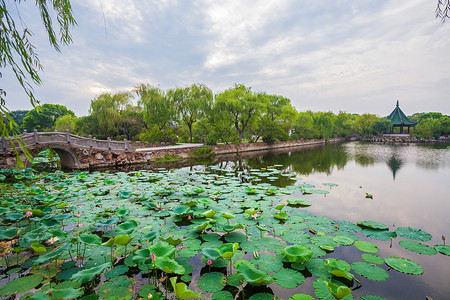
point(46, 160)
point(67, 159)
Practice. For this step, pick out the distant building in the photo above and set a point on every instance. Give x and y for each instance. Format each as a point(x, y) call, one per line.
point(399, 119)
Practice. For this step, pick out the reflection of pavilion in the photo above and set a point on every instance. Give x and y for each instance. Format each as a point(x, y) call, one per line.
point(395, 162)
point(399, 119)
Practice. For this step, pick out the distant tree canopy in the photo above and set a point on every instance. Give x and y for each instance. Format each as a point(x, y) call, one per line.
point(43, 118)
point(18, 116)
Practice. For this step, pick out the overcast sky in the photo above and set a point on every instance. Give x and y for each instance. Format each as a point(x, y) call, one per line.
point(354, 56)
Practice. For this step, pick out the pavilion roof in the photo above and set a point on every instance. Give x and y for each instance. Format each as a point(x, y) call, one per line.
point(397, 117)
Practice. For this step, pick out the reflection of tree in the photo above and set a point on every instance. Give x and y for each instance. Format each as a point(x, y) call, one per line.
point(394, 163)
point(364, 160)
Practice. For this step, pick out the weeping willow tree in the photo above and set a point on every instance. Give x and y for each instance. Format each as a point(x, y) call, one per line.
point(443, 10)
point(17, 53)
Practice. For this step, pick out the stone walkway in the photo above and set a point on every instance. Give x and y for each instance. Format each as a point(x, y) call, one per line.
point(180, 146)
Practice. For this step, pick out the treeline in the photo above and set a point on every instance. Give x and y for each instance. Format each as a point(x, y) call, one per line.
point(195, 114)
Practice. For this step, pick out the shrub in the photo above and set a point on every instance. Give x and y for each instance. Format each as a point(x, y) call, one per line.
point(202, 152)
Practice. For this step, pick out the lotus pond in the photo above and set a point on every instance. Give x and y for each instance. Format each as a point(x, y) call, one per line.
point(291, 226)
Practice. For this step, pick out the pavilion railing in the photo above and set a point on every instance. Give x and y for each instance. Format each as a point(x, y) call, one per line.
point(55, 137)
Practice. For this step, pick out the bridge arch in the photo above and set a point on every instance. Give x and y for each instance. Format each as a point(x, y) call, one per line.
point(68, 158)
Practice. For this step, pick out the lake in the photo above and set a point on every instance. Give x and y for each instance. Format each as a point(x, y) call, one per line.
point(410, 184)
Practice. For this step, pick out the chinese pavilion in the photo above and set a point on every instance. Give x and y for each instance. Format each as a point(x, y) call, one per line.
point(399, 119)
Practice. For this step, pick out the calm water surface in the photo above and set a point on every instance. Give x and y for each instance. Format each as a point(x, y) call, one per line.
point(410, 185)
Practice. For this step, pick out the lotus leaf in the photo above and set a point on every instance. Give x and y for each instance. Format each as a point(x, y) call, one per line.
point(301, 297)
point(171, 240)
point(343, 240)
point(20, 285)
point(366, 246)
point(338, 291)
point(250, 274)
point(169, 265)
point(52, 255)
point(288, 278)
point(117, 288)
point(228, 216)
point(295, 237)
point(373, 225)
point(123, 239)
point(323, 293)
point(234, 226)
point(119, 270)
point(281, 216)
point(299, 201)
point(443, 249)
point(370, 271)
point(90, 239)
point(235, 236)
point(413, 234)
point(222, 295)
point(209, 213)
point(347, 226)
point(181, 290)
point(381, 235)
point(67, 293)
point(338, 268)
point(127, 226)
point(316, 267)
point(370, 297)
point(161, 250)
point(374, 259)
point(227, 250)
point(267, 263)
point(38, 248)
point(418, 247)
point(296, 253)
point(212, 282)
point(404, 265)
point(89, 274)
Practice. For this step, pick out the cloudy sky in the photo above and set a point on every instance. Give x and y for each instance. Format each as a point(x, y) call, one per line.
point(354, 56)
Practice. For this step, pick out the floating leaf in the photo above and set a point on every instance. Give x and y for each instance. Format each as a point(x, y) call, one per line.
point(373, 225)
point(296, 253)
point(301, 297)
point(38, 248)
point(222, 295)
point(250, 274)
point(288, 278)
point(381, 235)
point(20, 285)
point(117, 288)
point(443, 249)
point(413, 234)
point(161, 250)
point(366, 246)
point(322, 292)
point(404, 265)
point(90, 239)
point(374, 259)
point(227, 250)
point(89, 274)
point(417, 247)
point(119, 270)
point(212, 282)
point(267, 263)
point(370, 271)
point(181, 290)
point(169, 265)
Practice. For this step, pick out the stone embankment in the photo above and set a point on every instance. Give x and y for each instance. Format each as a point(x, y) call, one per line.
point(399, 138)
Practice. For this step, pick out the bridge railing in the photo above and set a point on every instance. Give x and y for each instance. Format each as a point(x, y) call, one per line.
point(55, 137)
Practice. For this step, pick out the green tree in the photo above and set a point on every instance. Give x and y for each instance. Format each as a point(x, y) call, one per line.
point(18, 116)
point(191, 103)
point(18, 54)
point(157, 109)
point(241, 106)
point(304, 126)
point(66, 122)
point(107, 110)
point(381, 125)
point(43, 118)
point(131, 122)
point(364, 123)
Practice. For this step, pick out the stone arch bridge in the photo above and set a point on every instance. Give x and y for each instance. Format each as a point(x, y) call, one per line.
point(75, 152)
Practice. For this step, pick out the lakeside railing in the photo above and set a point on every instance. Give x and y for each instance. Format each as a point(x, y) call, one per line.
point(55, 137)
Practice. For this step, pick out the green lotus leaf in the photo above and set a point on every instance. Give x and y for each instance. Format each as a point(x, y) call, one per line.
point(404, 265)
point(117, 288)
point(222, 295)
point(366, 246)
point(251, 211)
point(373, 225)
point(161, 250)
point(52, 255)
point(296, 253)
point(36, 296)
point(442, 249)
point(315, 266)
point(322, 292)
point(235, 236)
point(235, 279)
point(381, 235)
point(212, 282)
point(171, 240)
point(228, 216)
point(123, 239)
point(418, 247)
point(261, 228)
point(279, 206)
point(288, 278)
point(338, 291)
point(232, 227)
point(181, 290)
point(370, 297)
point(301, 297)
point(343, 240)
point(374, 259)
point(330, 184)
point(413, 234)
point(295, 237)
point(169, 265)
point(109, 243)
point(119, 270)
point(250, 274)
point(209, 213)
point(90, 239)
point(181, 210)
point(38, 248)
point(210, 253)
point(263, 296)
point(370, 271)
point(127, 226)
point(347, 226)
point(89, 274)
point(281, 216)
point(149, 236)
point(267, 263)
point(299, 201)
point(338, 268)
point(20, 285)
point(227, 250)
point(67, 293)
